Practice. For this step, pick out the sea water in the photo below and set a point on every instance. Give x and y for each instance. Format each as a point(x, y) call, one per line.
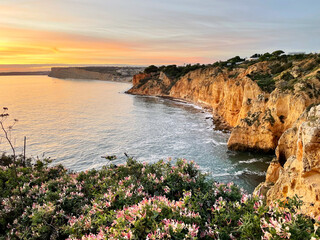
point(76, 122)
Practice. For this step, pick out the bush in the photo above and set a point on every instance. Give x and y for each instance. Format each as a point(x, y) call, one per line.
point(256, 55)
point(287, 76)
point(277, 53)
point(235, 60)
point(265, 57)
point(151, 69)
point(220, 64)
point(177, 72)
point(264, 81)
point(278, 68)
point(140, 201)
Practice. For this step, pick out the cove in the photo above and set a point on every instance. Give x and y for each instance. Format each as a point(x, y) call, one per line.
point(75, 122)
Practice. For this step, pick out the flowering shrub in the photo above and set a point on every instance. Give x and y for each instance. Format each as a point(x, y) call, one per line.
point(138, 201)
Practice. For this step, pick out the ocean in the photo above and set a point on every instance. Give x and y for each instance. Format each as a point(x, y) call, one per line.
point(76, 122)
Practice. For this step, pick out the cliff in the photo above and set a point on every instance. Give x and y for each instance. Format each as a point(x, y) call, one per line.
point(118, 74)
point(267, 106)
point(296, 170)
point(241, 97)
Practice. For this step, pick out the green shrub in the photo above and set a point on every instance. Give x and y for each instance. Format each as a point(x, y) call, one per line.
point(265, 57)
point(235, 60)
point(268, 117)
point(139, 201)
point(252, 118)
point(151, 69)
point(287, 76)
point(278, 67)
point(175, 71)
point(264, 81)
point(256, 55)
point(277, 53)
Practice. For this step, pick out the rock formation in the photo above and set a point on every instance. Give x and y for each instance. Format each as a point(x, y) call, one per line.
point(296, 170)
point(118, 74)
point(257, 117)
point(267, 106)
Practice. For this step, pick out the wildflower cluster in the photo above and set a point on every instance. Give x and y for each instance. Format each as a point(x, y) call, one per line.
point(138, 201)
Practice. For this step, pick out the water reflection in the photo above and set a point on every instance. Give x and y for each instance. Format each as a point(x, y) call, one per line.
point(78, 121)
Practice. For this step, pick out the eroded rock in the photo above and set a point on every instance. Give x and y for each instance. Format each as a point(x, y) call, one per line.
point(300, 174)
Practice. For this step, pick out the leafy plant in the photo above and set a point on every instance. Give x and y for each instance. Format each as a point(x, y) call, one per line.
point(175, 71)
point(151, 69)
point(164, 200)
point(268, 117)
point(264, 81)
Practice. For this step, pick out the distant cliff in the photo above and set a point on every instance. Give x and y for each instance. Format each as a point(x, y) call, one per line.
point(118, 74)
point(24, 73)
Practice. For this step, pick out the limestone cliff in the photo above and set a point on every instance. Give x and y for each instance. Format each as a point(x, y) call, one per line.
point(296, 171)
point(267, 106)
point(239, 96)
point(118, 74)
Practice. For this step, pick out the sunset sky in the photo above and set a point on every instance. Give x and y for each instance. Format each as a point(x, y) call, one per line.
point(142, 32)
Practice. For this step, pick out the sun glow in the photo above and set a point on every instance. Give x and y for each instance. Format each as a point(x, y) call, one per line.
point(150, 31)
point(22, 46)
point(27, 46)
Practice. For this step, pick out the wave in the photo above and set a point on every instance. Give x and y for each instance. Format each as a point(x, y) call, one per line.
point(239, 173)
point(215, 142)
point(253, 160)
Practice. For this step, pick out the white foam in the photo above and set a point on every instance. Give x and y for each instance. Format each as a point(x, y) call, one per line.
point(254, 173)
point(213, 141)
point(221, 174)
point(253, 160)
point(239, 173)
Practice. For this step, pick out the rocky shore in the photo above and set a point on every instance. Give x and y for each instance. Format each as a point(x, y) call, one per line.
point(267, 107)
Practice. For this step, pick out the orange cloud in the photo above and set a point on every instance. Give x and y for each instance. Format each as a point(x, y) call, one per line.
point(25, 46)
point(31, 46)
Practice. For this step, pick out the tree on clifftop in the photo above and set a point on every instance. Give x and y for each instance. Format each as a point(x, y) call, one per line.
point(235, 59)
point(277, 53)
point(256, 55)
point(151, 69)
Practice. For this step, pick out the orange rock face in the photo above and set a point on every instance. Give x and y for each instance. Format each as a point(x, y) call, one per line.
point(138, 77)
point(273, 172)
point(260, 121)
point(300, 174)
point(258, 118)
point(227, 96)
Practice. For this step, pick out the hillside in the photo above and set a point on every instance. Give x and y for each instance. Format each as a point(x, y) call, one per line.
point(118, 74)
point(258, 100)
point(270, 105)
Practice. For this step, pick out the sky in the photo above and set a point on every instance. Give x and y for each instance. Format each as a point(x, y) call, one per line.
point(144, 32)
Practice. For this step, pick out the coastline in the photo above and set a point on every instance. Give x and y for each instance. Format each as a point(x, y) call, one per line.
point(24, 73)
point(116, 74)
point(218, 122)
point(272, 106)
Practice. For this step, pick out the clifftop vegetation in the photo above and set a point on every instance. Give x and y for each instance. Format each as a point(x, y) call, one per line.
point(279, 86)
point(174, 71)
point(283, 71)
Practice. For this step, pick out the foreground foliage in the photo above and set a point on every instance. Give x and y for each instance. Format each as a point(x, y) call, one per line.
point(138, 201)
